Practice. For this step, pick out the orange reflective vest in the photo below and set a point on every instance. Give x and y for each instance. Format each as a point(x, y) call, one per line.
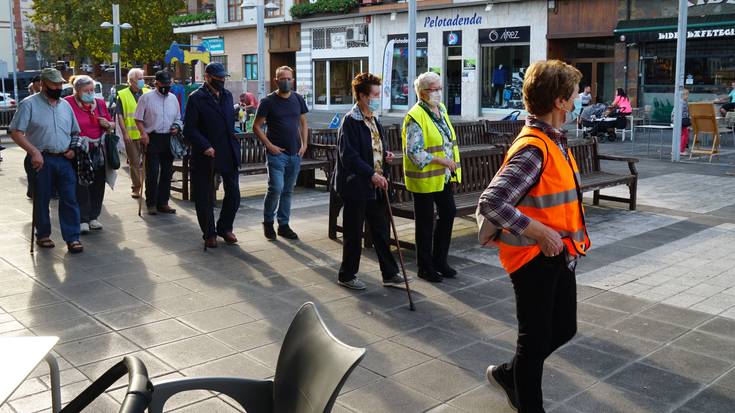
point(555, 201)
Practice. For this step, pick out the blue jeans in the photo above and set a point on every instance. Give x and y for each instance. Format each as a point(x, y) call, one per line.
point(57, 172)
point(283, 169)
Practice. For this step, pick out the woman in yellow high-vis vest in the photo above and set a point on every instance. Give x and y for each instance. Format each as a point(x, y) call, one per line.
point(536, 201)
point(430, 165)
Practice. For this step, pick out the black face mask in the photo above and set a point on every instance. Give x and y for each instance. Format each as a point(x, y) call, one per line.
point(164, 90)
point(217, 84)
point(53, 93)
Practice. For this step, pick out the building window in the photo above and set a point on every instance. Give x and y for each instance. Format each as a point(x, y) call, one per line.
point(332, 80)
point(234, 11)
point(399, 82)
point(250, 66)
point(340, 37)
point(220, 59)
point(275, 13)
point(502, 76)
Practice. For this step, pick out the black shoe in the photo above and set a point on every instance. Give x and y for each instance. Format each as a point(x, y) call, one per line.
point(430, 276)
point(493, 376)
point(446, 271)
point(286, 232)
point(268, 231)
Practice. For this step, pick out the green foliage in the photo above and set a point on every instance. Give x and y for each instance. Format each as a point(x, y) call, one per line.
point(185, 19)
point(303, 10)
point(73, 29)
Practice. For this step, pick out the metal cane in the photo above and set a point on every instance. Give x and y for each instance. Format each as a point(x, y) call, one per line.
point(400, 254)
point(210, 206)
point(141, 167)
point(34, 196)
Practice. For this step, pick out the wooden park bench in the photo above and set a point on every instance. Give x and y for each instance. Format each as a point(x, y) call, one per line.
point(594, 178)
point(502, 132)
point(468, 134)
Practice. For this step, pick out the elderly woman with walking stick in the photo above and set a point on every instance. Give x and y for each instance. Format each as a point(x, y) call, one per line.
point(360, 180)
point(536, 204)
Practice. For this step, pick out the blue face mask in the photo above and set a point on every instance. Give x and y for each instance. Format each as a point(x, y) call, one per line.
point(374, 104)
point(88, 97)
point(140, 83)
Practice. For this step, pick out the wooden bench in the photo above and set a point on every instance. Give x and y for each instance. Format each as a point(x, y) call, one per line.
point(468, 134)
point(502, 132)
point(594, 179)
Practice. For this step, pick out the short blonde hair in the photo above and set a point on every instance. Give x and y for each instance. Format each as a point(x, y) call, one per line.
point(424, 81)
point(545, 81)
point(132, 73)
point(283, 68)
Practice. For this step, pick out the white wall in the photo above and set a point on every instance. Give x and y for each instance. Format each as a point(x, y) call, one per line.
point(5, 50)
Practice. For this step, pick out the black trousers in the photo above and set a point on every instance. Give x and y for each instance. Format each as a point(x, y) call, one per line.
point(432, 241)
point(354, 215)
point(203, 193)
point(90, 197)
point(497, 94)
point(546, 308)
point(158, 170)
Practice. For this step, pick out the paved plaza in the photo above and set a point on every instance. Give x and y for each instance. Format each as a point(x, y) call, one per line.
point(656, 303)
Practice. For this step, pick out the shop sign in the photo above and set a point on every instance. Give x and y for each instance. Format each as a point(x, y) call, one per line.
point(698, 34)
point(453, 38)
point(697, 3)
point(469, 64)
point(457, 20)
point(215, 45)
point(401, 40)
point(505, 35)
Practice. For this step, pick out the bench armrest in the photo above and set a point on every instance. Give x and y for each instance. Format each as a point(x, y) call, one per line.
point(631, 161)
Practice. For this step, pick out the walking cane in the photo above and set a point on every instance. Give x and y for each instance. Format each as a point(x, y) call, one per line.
point(212, 198)
point(34, 196)
point(398, 245)
point(141, 167)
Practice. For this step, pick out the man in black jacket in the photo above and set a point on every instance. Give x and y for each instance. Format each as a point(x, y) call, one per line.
point(209, 125)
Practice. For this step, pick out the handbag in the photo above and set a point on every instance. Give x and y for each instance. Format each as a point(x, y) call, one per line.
point(112, 156)
point(178, 146)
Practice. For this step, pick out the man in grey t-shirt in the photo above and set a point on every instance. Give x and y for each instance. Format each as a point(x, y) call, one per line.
point(43, 126)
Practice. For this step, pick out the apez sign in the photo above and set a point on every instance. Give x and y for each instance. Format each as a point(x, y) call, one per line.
point(505, 35)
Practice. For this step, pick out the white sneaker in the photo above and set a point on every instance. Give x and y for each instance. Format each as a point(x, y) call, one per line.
point(94, 224)
point(353, 284)
point(84, 228)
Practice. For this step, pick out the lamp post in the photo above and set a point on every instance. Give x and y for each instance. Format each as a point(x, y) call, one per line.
point(260, 9)
point(116, 26)
point(411, 52)
point(681, 51)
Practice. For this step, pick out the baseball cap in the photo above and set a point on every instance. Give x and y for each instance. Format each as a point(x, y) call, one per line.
point(52, 75)
point(216, 69)
point(163, 76)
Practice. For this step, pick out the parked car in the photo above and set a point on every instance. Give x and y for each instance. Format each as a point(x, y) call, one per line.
point(7, 100)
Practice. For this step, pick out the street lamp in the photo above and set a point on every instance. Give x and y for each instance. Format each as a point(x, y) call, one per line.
point(116, 26)
point(260, 8)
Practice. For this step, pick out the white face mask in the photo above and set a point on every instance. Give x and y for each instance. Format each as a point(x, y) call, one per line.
point(435, 98)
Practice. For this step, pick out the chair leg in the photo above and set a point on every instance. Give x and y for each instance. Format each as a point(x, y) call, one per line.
point(596, 198)
point(633, 194)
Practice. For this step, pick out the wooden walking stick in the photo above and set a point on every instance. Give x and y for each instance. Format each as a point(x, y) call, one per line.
point(141, 167)
point(210, 206)
point(34, 196)
point(398, 245)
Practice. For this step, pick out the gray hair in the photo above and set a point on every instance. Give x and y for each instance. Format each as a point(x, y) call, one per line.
point(82, 81)
point(132, 73)
point(424, 81)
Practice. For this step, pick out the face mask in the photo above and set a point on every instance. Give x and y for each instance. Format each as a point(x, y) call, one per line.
point(53, 93)
point(140, 84)
point(88, 98)
point(217, 84)
point(164, 90)
point(435, 98)
point(374, 104)
point(284, 85)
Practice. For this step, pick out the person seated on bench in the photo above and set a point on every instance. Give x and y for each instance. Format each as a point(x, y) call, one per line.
point(728, 101)
point(430, 165)
point(537, 201)
point(360, 180)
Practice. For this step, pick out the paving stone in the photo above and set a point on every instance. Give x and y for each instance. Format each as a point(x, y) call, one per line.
point(713, 399)
point(586, 361)
point(387, 358)
point(619, 302)
point(47, 314)
point(215, 319)
point(387, 396)
point(476, 357)
point(432, 341)
point(176, 306)
point(73, 329)
point(649, 329)
point(559, 385)
point(727, 380)
point(38, 297)
point(237, 365)
point(480, 399)
point(675, 315)
point(719, 325)
point(159, 332)
point(438, 379)
point(605, 398)
point(665, 387)
point(618, 344)
point(213, 405)
point(360, 377)
point(708, 344)
point(191, 351)
point(154, 366)
point(131, 316)
point(95, 348)
point(599, 315)
point(249, 336)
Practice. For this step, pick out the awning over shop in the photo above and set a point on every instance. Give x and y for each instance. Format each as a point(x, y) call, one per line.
point(661, 30)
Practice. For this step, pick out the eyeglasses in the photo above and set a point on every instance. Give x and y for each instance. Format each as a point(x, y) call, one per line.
point(430, 90)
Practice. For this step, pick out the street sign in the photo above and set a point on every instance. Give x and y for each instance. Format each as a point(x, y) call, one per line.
point(334, 124)
point(215, 45)
point(3, 69)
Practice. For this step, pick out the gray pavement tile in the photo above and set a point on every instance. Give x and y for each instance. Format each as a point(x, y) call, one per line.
point(493, 289)
point(445, 408)
point(84, 289)
point(154, 366)
point(586, 361)
point(649, 329)
point(215, 319)
point(212, 405)
point(249, 336)
point(98, 303)
point(687, 364)
point(360, 377)
point(185, 304)
point(266, 355)
point(476, 357)
point(138, 314)
point(708, 344)
point(585, 292)
point(352, 335)
point(387, 396)
point(36, 298)
point(236, 365)
point(47, 314)
point(152, 291)
point(191, 351)
point(387, 358)
point(95, 348)
point(158, 332)
point(559, 385)
point(618, 344)
point(675, 315)
point(432, 341)
point(438, 379)
point(719, 325)
point(10, 326)
point(464, 299)
point(388, 324)
point(599, 315)
point(482, 399)
point(17, 285)
point(605, 398)
point(727, 380)
point(620, 302)
point(504, 311)
point(29, 387)
point(713, 399)
point(73, 329)
point(657, 384)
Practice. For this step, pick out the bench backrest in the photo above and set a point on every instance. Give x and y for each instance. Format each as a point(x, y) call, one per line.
point(585, 153)
point(252, 149)
point(511, 127)
point(470, 133)
point(323, 136)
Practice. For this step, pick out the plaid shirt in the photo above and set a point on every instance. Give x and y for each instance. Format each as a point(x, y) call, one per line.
point(507, 189)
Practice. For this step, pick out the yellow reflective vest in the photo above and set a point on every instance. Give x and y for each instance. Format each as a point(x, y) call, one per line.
point(128, 111)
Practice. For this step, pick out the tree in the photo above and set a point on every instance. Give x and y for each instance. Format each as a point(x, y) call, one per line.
point(74, 29)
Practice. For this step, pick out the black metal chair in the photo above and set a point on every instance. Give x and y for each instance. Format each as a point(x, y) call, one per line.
point(312, 367)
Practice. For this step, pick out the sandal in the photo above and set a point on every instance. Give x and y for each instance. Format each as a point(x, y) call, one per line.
point(45, 243)
point(74, 247)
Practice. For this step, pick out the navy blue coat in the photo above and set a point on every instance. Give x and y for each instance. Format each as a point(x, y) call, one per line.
point(211, 124)
point(353, 174)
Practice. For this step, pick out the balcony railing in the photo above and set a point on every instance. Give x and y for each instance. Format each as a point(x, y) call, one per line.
point(193, 18)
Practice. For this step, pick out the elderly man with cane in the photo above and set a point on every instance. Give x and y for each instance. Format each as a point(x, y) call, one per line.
point(209, 125)
point(43, 126)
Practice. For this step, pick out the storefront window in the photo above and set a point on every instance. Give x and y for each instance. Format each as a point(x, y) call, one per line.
point(333, 80)
point(709, 63)
point(399, 75)
point(250, 66)
point(503, 68)
point(320, 82)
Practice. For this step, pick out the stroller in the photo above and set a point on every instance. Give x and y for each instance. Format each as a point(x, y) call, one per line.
point(596, 122)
